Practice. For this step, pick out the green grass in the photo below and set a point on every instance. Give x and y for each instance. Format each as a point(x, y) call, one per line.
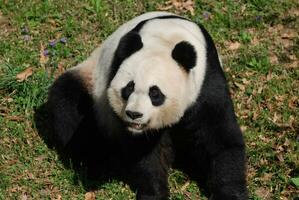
point(263, 74)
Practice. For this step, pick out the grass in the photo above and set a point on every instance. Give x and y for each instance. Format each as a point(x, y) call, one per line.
point(259, 44)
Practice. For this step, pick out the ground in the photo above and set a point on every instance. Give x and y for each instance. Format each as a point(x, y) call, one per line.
point(259, 45)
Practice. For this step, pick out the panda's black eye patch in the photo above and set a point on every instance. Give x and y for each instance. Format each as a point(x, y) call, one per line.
point(127, 90)
point(157, 97)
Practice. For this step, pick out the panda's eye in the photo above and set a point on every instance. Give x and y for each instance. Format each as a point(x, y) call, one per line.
point(157, 97)
point(128, 90)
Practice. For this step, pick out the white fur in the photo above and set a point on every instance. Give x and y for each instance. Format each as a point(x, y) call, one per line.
point(87, 68)
point(161, 70)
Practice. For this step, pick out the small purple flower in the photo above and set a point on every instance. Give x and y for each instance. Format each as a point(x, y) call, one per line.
point(63, 40)
point(46, 52)
point(258, 18)
point(52, 43)
point(26, 37)
point(206, 15)
point(25, 30)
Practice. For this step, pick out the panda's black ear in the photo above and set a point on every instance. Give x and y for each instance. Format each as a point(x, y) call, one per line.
point(184, 54)
point(128, 44)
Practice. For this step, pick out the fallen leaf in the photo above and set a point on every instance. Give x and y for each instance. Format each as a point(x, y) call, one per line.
point(183, 188)
point(234, 45)
point(273, 59)
point(178, 5)
point(275, 29)
point(264, 161)
point(40, 158)
point(269, 76)
point(164, 8)
point(264, 139)
point(289, 34)
point(24, 197)
point(286, 142)
point(188, 195)
point(266, 177)
point(22, 76)
point(52, 22)
point(292, 65)
point(280, 157)
point(30, 176)
point(263, 193)
point(12, 117)
point(292, 57)
point(255, 115)
point(248, 102)
point(255, 41)
point(243, 128)
point(294, 12)
point(3, 20)
point(243, 8)
point(293, 102)
point(239, 85)
point(292, 122)
point(276, 117)
point(189, 6)
point(286, 42)
point(245, 81)
point(251, 171)
point(279, 148)
point(90, 196)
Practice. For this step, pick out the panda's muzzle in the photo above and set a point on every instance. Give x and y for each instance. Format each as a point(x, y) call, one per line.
point(132, 121)
point(136, 126)
point(133, 115)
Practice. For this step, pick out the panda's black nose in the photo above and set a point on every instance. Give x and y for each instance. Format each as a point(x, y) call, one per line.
point(134, 115)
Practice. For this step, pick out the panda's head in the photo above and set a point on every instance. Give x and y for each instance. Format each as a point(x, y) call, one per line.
point(151, 87)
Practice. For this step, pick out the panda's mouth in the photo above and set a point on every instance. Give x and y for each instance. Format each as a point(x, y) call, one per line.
point(135, 127)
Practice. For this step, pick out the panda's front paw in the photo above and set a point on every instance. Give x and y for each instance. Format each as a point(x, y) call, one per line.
point(229, 195)
point(151, 197)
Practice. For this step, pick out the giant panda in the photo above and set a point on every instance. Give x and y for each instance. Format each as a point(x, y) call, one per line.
point(151, 97)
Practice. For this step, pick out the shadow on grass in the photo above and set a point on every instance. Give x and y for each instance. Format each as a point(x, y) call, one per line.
point(84, 153)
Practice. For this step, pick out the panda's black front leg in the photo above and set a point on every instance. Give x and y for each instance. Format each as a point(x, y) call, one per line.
point(152, 178)
point(151, 175)
point(219, 152)
point(227, 176)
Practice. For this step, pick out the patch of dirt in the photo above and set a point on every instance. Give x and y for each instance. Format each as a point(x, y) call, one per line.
point(180, 6)
point(5, 26)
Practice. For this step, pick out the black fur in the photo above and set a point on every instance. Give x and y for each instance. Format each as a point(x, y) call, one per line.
point(207, 143)
point(128, 45)
point(139, 26)
point(156, 96)
point(184, 54)
point(127, 90)
point(69, 102)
